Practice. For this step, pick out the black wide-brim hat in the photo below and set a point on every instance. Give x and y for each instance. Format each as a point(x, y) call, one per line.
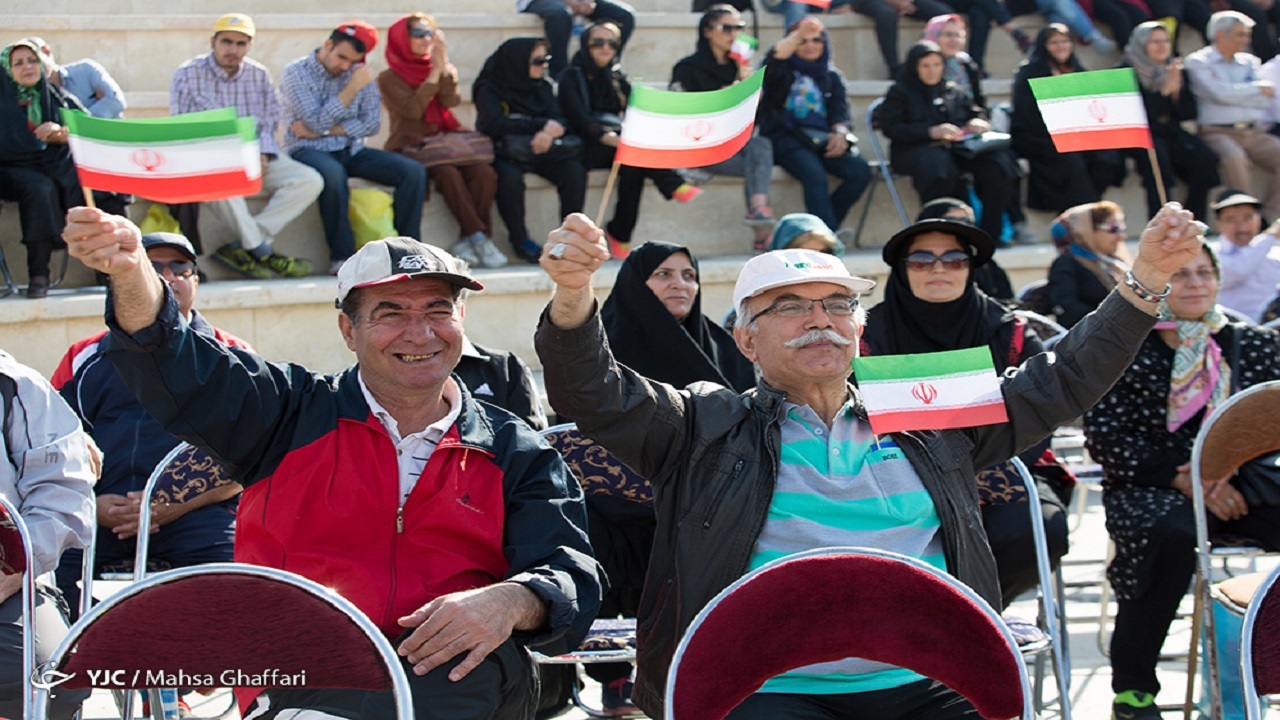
point(981, 247)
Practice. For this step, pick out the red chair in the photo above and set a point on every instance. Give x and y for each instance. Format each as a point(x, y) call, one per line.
point(1260, 647)
point(829, 604)
point(16, 559)
point(228, 625)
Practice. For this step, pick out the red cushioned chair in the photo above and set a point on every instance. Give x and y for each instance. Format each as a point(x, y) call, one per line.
point(599, 473)
point(1260, 647)
point(829, 604)
point(209, 619)
point(16, 559)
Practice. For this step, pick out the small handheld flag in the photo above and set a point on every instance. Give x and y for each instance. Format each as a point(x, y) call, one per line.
point(664, 129)
point(1100, 110)
point(743, 48)
point(186, 158)
point(930, 391)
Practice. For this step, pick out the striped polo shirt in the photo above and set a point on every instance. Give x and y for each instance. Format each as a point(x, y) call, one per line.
point(840, 486)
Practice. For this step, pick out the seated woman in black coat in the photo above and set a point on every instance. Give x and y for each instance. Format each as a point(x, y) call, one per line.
point(923, 115)
point(35, 163)
point(1093, 259)
point(516, 106)
point(1166, 93)
point(1057, 180)
point(593, 95)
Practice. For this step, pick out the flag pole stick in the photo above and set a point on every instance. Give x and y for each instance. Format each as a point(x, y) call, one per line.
point(1159, 176)
point(608, 190)
point(88, 197)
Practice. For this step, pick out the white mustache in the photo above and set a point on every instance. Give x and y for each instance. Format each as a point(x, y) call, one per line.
point(817, 336)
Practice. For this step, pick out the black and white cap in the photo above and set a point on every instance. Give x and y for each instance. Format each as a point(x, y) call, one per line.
point(400, 258)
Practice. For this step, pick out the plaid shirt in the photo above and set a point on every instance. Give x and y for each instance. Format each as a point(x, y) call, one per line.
point(309, 93)
point(199, 84)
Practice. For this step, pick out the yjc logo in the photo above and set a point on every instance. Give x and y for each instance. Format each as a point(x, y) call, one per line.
point(46, 676)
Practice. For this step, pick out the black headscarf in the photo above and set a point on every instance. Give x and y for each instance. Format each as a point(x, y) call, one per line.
point(710, 74)
point(909, 74)
point(607, 88)
point(645, 337)
point(904, 324)
point(1040, 54)
point(506, 73)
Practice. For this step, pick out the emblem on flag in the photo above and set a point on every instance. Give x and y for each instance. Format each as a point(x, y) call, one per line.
point(1100, 110)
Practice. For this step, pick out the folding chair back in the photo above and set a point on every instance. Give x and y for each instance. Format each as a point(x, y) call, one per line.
point(1260, 647)
point(829, 604)
point(1270, 310)
point(229, 625)
point(183, 473)
point(881, 170)
point(1034, 296)
point(1045, 328)
point(1242, 428)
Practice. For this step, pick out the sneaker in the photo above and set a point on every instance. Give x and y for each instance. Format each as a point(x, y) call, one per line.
point(465, 250)
point(285, 266)
point(615, 698)
point(1135, 705)
point(763, 238)
point(760, 217)
point(695, 176)
point(845, 236)
point(335, 266)
point(685, 193)
point(1023, 40)
point(488, 253)
point(241, 261)
point(1102, 44)
point(1023, 236)
point(38, 287)
point(528, 251)
point(618, 250)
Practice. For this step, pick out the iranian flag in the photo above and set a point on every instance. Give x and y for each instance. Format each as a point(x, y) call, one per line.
point(930, 391)
point(185, 158)
point(665, 129)
point(1098, 110)
point(743, 48)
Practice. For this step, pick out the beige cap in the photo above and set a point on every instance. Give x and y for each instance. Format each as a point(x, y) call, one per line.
point(235, 22)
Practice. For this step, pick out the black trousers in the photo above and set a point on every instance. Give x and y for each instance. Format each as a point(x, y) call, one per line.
point(45, 188)
point(629, 186)
point(921, 700)
point(569, 177)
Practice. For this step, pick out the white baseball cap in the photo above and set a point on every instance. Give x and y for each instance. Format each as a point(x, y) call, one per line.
point(399, 258)
point(792, 267)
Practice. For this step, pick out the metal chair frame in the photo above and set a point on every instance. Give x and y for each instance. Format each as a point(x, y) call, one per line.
point(1253, 705)
point(879, 169)
point(399, 681)
point(673, 676)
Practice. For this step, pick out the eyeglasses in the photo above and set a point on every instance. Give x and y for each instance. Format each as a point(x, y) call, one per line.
point(1204, 275)
point(604, 42)
point(730, 27)
point(179, 268)
point(922, 261)
point(815, 40)
point(538, 61)
point(421, 32)
point(794, 307)
point(1115, 227)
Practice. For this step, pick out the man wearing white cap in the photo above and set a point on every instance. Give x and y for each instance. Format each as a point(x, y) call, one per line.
point(227, 77)
point(791, 465)
point(451, 523)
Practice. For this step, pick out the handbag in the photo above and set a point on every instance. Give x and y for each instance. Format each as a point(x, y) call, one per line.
point(519, 149)
point(465, 147)
point(976, 145)
point(1258, 480)
point(607, 120)
point(816, 140)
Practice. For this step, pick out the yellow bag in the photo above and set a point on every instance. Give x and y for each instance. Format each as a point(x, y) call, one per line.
point(159, 220)
point(371, 215)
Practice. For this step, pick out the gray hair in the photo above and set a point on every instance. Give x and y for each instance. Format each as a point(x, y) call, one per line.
point(1225, 20)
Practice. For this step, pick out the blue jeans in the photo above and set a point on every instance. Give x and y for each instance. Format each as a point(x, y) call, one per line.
point(812, 169)
point(557, 25)
point(793, 12)
point(407, 177)
point(1069, 13)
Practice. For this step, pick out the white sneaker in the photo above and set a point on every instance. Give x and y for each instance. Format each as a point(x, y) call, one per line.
point(489, 254)
point(465, 250)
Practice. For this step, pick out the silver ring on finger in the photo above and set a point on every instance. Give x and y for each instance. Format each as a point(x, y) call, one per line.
point(1231, 501)
point(557, 251)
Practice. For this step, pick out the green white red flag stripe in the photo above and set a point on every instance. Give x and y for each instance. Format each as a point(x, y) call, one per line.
point(930, 391)
point(1098, 110)
point(663, 129)
point(186, 158)
point(743, 48)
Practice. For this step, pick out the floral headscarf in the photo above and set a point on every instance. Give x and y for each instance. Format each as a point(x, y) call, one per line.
point(1201, 378)
point(31, 96)
point(953, 67)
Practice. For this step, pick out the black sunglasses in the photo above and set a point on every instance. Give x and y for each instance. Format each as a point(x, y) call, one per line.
point(544, 60)
point(601, 42)
point(421, 32)
point(179, 268)
point(729, 27)
point(922, 261)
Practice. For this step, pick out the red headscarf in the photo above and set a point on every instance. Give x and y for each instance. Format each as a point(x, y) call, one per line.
point(414, 69)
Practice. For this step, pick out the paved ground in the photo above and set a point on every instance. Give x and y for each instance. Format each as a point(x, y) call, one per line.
point(1090, 672)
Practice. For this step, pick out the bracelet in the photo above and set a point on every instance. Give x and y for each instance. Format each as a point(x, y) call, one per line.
point(1142, 291)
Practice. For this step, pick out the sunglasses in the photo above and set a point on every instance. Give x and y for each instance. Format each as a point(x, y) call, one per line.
point(604, 42)
point(421, 32)
point(544, 60)
point(922, 261)
point(179, 268)
point(730, 27)
point(1114, 227)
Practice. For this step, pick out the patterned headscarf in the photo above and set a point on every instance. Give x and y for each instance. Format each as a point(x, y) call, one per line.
point(953, 67)
point(1150, 74)
point(1201, 378)
point(31, 96)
